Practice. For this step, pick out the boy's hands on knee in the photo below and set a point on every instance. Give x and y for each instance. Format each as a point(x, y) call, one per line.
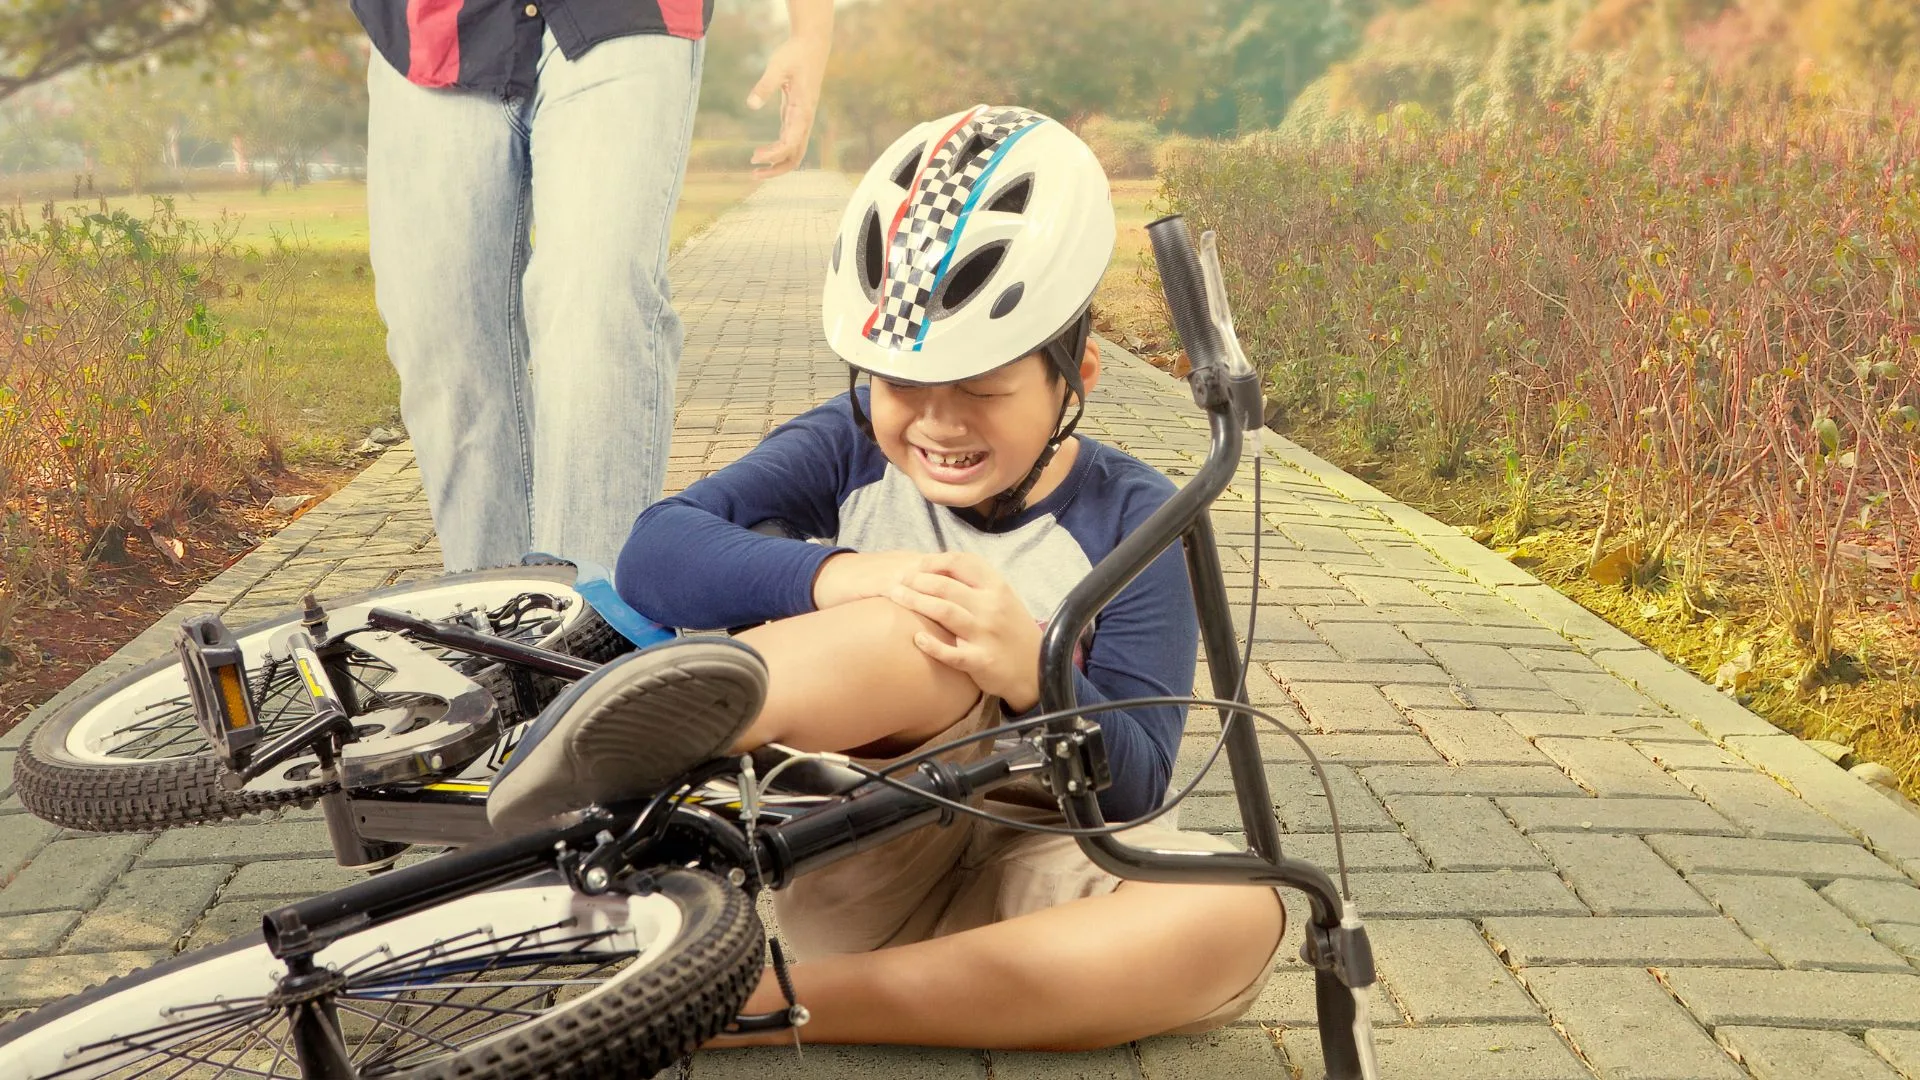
point(995, 638)
point(859, 575)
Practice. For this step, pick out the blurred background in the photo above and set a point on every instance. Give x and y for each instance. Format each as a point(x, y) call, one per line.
point(1622, 288)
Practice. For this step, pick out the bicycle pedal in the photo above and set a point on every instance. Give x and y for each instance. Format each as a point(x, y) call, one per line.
point(216, 673)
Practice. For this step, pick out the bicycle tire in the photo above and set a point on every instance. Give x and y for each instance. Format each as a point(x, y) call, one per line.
point(72, 791)
point(643, 1019)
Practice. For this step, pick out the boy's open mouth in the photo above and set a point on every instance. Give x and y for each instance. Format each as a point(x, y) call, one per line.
point(952, 468)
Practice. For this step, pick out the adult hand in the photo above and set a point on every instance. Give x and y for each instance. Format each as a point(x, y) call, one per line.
point(794, 70)
point(858, 575)
point(995, 638)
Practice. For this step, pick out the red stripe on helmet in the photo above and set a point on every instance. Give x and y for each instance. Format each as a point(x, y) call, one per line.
point(433, 41)
point(886, 245)
point(683, 18)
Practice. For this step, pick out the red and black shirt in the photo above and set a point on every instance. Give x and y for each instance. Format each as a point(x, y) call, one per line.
point(494, 45)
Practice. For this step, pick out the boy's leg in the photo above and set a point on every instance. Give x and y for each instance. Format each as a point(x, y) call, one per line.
point(446, 211)
point(610, 134)
point(1144, 959)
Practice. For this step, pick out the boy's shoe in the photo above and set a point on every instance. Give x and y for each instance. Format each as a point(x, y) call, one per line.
point(630, 728)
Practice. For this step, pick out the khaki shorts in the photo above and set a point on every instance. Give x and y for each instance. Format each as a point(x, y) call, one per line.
point(937, 881)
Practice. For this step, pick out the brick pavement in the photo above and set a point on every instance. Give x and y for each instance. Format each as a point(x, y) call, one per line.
point(1578, 860)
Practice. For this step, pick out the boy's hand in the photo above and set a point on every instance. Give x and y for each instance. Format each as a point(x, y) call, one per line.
point(995, 639)
point(857, 575)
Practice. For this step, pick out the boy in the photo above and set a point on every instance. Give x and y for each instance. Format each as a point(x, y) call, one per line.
point(961, 509)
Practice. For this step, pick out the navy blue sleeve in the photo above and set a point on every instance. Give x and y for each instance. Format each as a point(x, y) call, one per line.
point(1145, 644)
point(691, 560)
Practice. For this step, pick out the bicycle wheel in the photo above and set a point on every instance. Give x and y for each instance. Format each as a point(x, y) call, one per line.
point(129, 756)
point(547, 983)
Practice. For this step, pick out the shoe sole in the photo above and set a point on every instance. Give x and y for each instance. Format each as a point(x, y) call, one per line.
point(642, 721)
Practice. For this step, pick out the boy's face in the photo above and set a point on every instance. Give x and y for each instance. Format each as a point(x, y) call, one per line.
point(966, 442)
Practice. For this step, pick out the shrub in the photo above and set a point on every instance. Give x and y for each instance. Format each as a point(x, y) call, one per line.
point(1706, 316)
point(125, 404)
point(1125, 147)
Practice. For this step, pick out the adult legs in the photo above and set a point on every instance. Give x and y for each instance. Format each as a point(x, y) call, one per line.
point(609, 145)
point(447, 204)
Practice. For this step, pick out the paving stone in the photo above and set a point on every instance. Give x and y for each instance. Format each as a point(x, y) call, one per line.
point(1585, 725)
point(1795, 925)
point(1762, 807)
point(1875, 901)
point(1627, 1027)
point(290, 878)
point(1497, 700)
point(1320, 538)
point(1408, 749)
point(1639, 816)
point(1788, 858)
point(1464, 832)
point(1235, 1051)
point(1464, 896)
point(1629, 941)
point(240, 843)
point(1902, 938)
point(1617, 875)
point(1288, 998)
point(1282, 652)
point(1786, 1054)
point(69, 873)
point(1274, 623)
point(1370, 641)
point(1486, 666)
point(1612, 770)
point(149, 909)
point(1111, 1064)
point(1300, 804)
point(1425, 696)
point(21, 837)
point(1849, 1000)
point(1471, 737)
point(1442, 972)
point(1491, 610)
point(38, 980)
point(33, 935)
point(1693, 757)
point(1469, 780)
point(1560, 659)
point(1348, 708)
point(226, 920)
point(851, 1062)
point(1902, 1048)
point(1401, 615)
point(1452, 629)
point(1598, 692)
point(1502, 1052)
point(1291, 673)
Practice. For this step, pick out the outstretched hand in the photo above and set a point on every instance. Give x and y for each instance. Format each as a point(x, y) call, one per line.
point(794, 71)
point(996, 641)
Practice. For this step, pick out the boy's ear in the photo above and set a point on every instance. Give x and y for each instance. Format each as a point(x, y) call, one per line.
point(1090, 365)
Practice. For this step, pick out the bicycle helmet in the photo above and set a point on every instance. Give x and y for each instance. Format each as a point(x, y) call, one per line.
point(973, 241)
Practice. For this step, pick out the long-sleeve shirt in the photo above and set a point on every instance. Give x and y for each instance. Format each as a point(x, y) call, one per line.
point(692, 562)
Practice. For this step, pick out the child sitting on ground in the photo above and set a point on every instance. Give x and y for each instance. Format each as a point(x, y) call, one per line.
point(960, 509)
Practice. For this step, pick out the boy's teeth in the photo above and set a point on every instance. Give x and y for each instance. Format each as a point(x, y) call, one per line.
point(954, 461)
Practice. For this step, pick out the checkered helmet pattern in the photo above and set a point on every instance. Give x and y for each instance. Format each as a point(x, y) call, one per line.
point(923, 240)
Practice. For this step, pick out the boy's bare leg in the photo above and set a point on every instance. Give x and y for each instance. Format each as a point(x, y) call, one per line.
point(1143, 959)
point(850, 677)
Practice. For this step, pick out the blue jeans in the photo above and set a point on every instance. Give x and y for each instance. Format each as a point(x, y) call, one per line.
point(536, 379)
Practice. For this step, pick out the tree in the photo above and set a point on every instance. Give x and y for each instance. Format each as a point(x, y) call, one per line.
point(41, 39)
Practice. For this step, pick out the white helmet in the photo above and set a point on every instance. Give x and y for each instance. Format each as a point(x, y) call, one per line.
point(971, 242)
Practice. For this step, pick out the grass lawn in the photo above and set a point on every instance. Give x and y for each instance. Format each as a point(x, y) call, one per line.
point(332, 352)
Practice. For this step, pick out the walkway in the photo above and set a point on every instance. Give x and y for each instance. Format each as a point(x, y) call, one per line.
point(1576, 860)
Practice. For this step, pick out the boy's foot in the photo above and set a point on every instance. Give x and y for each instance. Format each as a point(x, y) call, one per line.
point(630, 728)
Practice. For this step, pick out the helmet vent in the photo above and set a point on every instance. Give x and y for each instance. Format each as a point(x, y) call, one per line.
point(1013, 198)
point(903, 172)
point(1008, 299)
point(966, 279)
point(834, 262)
point(975, 146)
point(870, 253)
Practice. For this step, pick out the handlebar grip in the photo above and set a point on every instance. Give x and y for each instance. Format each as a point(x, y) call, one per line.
point(1186, 291)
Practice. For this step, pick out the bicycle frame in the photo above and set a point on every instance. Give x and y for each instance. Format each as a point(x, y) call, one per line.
point(614, 846)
